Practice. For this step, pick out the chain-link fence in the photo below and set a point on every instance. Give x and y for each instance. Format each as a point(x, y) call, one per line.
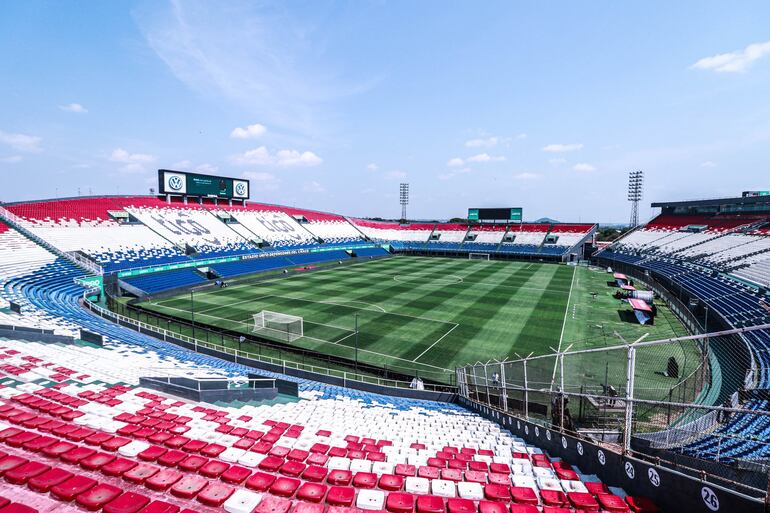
point(683, 396)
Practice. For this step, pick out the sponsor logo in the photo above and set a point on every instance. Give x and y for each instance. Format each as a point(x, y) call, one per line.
point(602, 458)
point(240, 189)
point(175, 183)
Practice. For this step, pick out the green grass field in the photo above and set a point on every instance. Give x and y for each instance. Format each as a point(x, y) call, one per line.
point(429, 315)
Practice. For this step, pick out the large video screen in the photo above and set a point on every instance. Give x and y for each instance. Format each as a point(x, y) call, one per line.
point(195, 184)
point(495, 214)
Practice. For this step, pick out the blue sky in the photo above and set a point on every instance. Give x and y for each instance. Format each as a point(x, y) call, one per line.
point(330, 105)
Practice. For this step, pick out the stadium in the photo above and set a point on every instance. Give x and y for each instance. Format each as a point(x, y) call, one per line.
point(377, 257)
point(195, 349)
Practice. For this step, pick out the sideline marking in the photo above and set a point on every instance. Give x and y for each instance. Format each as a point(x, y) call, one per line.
point(564, 324)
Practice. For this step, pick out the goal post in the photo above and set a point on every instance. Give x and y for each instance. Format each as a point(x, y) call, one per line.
point(279, 325)
point(478, 256)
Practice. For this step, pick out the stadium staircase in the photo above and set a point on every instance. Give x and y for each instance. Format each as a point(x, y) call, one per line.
point(542, 243)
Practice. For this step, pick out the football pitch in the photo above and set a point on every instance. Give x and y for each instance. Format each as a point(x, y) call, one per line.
point(426, 316)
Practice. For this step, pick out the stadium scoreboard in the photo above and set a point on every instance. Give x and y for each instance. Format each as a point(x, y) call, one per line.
point(495, 214)
point(194, 184)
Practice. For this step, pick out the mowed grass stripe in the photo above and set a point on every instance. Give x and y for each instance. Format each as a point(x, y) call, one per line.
point(500, 334)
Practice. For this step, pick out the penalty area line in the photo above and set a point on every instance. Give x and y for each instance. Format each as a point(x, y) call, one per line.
point(436, 342)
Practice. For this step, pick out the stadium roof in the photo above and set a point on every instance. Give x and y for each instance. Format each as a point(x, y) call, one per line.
point(748, 201)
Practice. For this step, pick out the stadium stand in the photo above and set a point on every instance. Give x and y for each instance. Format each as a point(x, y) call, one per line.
point(187, 225)
point(89, 434)
point(278, 228)
point(704, 264)
point(87, 225)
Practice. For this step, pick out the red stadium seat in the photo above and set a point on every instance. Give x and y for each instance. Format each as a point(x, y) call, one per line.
point(612, 503)
point(72, 487)
point(235, 474)
point(172, 458)
point(192, 463)
point(271, 464)
point(461, 506)
point(292, 468)
point(474, 476)
point(365, 480)
point(398, 502)
point(10, 463)
point(566, 474)
point(284, 486)
point(95, 498)
point(189, 486)
point(497, 492)
point(16, 507)
point(311, 492)
point(452, 474)
point(315, 473)
point(23, 473)
point(213, 468)
point(76, 454)
point(317, 458)
point(97, 460)
point(152, 453)
point(163, 479)
point(215, 494)
point(118, 467)
point(596, 488)
point(260, 481)
point(339, 477)
point(391, 483)
point(583, 501)
point(499, 479)
point(480, 466)
point(430, 504)
point(429, 472)
point(524, 495)
point(553, 497)
point(306, 507)
point(340, 496)
point(402, 469)
point(129, 502)
point(493, 507)
point(140, 473)
point(45, 481)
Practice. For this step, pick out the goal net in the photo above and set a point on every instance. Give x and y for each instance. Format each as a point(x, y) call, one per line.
point(478, 256)
point(283, 326)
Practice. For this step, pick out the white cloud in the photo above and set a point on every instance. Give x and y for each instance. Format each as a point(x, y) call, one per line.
point(133, 162)
point(455, 162)
point(557, 161)
point(484, 157)
point(283, 158)
point(207, 168)
point(738, 61)
point(489, 142)
point(254, 131)
point(21, 142)
point(291, 158)
point(13, 159)
point(372, 167)
point(583, 168)
point(265, 181)
point(396, 174)
point(313, 187)
point(521, 136)
point(708, 163)
point(73, 107)
point(562, 148)
point(182, 165)
point(258, 157)
point(526, 176)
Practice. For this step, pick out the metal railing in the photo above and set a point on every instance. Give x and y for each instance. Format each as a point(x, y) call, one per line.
point(282, 364)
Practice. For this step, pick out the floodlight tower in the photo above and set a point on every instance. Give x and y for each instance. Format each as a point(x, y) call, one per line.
point(635, 191)
point(403, 199)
